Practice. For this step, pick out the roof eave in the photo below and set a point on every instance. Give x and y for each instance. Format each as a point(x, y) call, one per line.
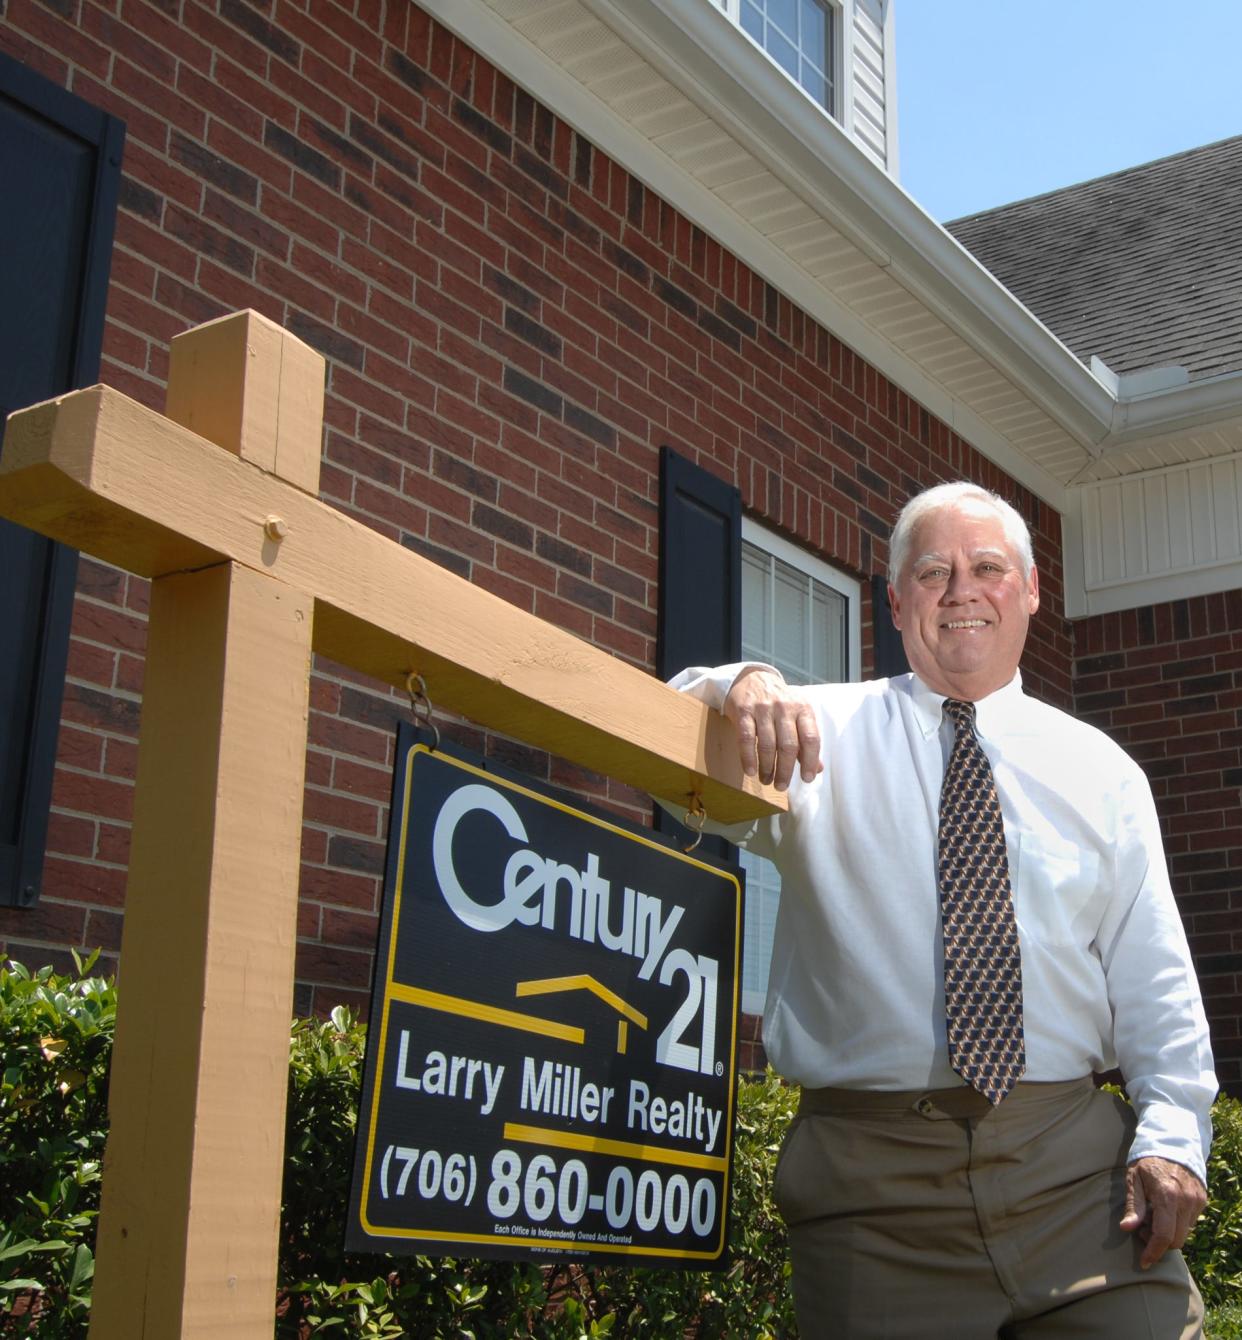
point(696, 46)
point(764, 110)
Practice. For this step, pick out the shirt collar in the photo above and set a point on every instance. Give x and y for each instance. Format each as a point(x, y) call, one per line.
point(994, 714)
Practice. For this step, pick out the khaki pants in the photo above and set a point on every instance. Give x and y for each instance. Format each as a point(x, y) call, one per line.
point(931, 1216)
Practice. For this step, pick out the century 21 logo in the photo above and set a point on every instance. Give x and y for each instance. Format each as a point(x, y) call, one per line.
point(541, 892)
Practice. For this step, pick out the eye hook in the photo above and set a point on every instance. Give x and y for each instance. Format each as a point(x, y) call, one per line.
point(694, 819)
point(420, 706)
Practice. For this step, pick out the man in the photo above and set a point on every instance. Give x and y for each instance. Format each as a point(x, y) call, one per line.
point(948, 975)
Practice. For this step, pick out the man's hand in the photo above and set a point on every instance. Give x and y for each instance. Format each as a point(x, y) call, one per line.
point(1163, 1201)
point(776, 728)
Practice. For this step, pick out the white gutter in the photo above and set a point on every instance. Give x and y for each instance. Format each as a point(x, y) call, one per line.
point(1174, 410)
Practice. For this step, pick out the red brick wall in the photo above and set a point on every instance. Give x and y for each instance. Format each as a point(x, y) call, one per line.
point(513, 327)
point(1166, 683)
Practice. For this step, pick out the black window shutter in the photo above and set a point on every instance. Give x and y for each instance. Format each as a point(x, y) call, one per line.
point(700, 610)
point(890, 654)
point(55, 254)
point(700, 607)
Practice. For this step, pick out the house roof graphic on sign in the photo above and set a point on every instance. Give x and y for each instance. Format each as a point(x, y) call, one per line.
point(547, 986)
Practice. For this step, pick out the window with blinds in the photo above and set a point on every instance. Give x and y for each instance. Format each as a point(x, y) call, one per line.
point(803, 617)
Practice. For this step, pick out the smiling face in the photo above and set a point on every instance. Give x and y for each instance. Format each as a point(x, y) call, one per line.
point(962, 602)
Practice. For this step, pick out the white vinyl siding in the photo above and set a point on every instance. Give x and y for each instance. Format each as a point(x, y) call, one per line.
point(803, 617)
point(869, 82)
point(1166, 535)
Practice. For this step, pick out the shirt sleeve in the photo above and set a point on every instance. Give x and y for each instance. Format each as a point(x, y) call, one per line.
point(1160, 1031)
point(711, 685)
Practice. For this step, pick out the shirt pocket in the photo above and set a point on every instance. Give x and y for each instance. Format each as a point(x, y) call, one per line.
point(1056, 891)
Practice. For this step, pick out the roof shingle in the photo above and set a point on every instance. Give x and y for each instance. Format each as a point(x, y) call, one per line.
point(1142, 268)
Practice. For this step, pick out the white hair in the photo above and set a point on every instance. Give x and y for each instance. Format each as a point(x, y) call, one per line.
point(950, 495)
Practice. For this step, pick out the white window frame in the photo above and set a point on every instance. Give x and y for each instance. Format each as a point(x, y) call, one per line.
point(753, 532)
point(841, 16)
point(756, 533)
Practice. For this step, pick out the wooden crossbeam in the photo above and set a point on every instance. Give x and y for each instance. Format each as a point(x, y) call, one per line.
point(106, 475)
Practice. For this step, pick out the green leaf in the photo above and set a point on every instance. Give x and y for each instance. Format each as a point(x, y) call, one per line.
point(83, 1268)
point(32, 1245)
point(21, 1248)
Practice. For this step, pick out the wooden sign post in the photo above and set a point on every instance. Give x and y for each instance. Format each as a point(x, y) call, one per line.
point(217, 504)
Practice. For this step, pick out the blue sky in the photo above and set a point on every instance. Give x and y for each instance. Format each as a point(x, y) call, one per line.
point(997, 103)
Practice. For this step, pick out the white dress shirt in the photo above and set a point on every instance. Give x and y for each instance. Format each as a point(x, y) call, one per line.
point(856, 990)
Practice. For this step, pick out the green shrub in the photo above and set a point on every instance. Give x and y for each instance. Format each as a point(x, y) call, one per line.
point(1224, 1322)
point(1214, 1249)
point(55, 1038)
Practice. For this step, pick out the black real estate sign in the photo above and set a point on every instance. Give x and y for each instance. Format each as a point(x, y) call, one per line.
point(551, 1060)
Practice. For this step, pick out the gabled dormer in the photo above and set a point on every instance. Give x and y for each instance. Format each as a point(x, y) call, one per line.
point(840, 53)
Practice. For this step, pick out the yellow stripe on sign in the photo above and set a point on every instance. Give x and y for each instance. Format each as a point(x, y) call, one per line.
point(597, 1144)
point(488, 1014)
point(445, 1235)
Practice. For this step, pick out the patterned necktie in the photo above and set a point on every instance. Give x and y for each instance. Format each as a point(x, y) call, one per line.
point(982, 960)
